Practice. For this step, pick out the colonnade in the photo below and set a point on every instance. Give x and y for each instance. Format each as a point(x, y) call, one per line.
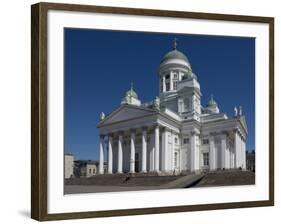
point(120, 156)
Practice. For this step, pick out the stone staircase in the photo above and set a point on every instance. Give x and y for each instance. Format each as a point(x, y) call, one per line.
point(149, 179)
point(227, 178)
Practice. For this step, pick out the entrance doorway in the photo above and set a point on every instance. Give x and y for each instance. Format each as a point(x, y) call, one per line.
point(137, 163)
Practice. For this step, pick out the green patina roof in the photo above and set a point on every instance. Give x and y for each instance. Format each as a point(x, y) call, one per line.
point(132, 93)
point(174, 54)
point(212, 102)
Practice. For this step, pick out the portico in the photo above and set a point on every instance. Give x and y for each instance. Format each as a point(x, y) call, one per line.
point(148, 143)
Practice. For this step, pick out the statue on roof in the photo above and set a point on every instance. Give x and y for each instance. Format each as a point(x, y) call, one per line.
point(235, 111)
point(156, 103)
point(102, 116)
point(240, 111)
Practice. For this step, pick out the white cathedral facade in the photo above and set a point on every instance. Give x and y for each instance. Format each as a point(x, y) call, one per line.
point(174, 133)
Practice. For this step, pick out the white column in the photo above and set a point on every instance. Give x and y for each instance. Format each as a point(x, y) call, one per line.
point(172, 153)
point(192, 102)
point(164, 83)
point(156, 139)
point(164, 151)
point(223, 151)
point(110, 157)
point(144, 151)
point(236, 149)
point(152, 153)
point(231, 158)
point(194, 152)
point(227, 157)
point(243, 152)
point(171, 82)
point(212, 157)
point(229, 167)
point(101, 170)
point(132, 154)
point(120, 154)
point(180, 154)
point(239, 151)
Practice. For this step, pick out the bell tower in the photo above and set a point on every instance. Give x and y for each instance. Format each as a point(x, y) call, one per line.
point(179, 89)
point(174, 65)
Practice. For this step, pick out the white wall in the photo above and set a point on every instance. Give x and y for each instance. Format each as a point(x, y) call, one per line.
point(15, 111)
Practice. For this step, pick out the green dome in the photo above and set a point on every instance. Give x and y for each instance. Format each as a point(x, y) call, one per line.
point(211, 102)
point(174, 54)
point(131, 92)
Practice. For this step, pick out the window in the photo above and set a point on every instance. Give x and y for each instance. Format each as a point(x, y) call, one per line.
point(206, 159)
point(167, 86)
point(186, 103)
point(167, 77)
point(89, 170)
point(175, 85)
point(205, 141)
point(175, 76)
point(176, 140)
point(186, 141)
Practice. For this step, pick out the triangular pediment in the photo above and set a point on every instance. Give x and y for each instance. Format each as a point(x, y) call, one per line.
point(126, 112)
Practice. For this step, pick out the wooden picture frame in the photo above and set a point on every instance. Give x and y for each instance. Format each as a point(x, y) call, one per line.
point(39, 110)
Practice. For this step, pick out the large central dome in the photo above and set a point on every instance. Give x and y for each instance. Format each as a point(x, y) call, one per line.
point(175, 58)
point(174, 54)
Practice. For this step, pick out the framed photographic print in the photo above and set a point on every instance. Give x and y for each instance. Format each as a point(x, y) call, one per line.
point(138, 111)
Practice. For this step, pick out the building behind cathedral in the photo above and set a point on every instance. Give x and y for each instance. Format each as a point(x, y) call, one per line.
point(174, 133)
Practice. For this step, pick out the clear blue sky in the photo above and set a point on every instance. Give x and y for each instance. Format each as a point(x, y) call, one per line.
point(100, 65)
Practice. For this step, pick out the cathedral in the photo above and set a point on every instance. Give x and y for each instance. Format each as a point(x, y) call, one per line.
point(174, 133)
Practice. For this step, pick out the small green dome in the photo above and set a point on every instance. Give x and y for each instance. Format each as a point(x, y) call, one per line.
point(132, 93)
point(211, 102)
point(174, 54)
